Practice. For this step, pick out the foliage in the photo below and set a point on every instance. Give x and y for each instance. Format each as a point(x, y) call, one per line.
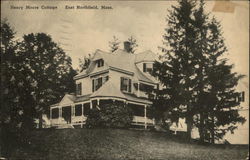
point(110, 116)
point(197, 83)
point(133, 44)
point(84, 64)
point(35, 73)
point(176, 66)
point(47, 68)
point(94, 118)
point(16, 110)
point(114, 44)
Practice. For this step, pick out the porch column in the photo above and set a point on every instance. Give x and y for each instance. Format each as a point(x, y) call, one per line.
point(125, 103)
point(72, 110)
point(60, 112)
point(91, 106)
point(98, 102)
point(145, 116)
point(82, 109)
point(50, 113)
point(138, 90)
point(97, 105)
point(50, 116)
point(82, 114)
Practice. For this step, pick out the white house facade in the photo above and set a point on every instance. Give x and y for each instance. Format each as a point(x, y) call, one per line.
point(119, 77)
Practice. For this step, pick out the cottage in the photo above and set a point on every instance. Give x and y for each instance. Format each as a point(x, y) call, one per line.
point(111, 77)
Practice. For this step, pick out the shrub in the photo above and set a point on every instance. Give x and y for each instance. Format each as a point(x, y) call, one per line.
point(94, 119)
point(110, 116)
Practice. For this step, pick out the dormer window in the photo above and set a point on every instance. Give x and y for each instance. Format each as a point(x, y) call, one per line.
point(147, 67)
point(100, 62)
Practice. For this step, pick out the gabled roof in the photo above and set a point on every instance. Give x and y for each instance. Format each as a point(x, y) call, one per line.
point(67, 99)
point(146, 56)
point(121, 60)
point(108, 90)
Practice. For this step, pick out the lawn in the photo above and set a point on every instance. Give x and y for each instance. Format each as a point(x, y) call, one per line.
point(120, 144)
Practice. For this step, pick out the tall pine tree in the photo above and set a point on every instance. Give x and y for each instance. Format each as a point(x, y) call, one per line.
point(197, 83)
point(176, 71)
point(114, 44)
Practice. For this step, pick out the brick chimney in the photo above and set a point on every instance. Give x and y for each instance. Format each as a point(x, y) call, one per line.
point(127, 46)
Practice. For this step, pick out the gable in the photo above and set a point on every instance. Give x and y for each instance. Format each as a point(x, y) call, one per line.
point(67, 100)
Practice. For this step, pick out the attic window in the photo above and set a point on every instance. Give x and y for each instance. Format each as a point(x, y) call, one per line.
point(100, 62)
point(147, 67)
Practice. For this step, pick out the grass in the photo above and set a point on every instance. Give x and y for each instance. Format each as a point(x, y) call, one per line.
point(120, 144)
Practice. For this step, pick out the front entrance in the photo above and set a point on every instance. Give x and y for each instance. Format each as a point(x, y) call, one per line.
point(66, 114)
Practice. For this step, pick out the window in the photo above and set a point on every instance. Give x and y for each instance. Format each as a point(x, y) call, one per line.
point(100, 63)
point(147, 67)
point(55, 113)
point(125, 84)
point(78, 110)
point(97, 83)
point(79, 89)
point(86, 107)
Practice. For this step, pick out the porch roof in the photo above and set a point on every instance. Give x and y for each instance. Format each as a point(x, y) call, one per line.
point(134, 98)
point(82, 98)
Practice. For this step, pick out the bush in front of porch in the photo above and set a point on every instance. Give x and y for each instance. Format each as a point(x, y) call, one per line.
point(112, 115)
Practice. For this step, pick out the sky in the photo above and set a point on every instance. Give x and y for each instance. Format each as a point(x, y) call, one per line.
point(81, 32)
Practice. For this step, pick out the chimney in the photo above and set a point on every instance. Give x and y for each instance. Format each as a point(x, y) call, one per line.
point(127, 46)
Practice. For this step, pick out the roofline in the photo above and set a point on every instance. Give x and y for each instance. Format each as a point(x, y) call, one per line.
point(81, 76)
point(148, 82)
point(122, 98)
point(121, 70)
point(100, 72)
point(109, 96)
point(144, 61)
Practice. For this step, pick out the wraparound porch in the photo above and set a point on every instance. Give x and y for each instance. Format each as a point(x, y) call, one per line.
point(75, 114)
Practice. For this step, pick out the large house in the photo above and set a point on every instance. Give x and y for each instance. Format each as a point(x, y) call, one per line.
point(111, 77)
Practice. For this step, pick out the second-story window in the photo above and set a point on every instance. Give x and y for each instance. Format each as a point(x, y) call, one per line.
point(125, 84)
point(79, 89)
point(97, 83)
point(100, 63)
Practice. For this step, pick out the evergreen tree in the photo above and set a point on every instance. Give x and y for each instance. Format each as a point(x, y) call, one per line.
point(133, 44)
point(197, 83)
point(114, 44)
point(176, 71)
point(222, 99)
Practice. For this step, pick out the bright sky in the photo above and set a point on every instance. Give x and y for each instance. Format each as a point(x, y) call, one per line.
point(80, 32)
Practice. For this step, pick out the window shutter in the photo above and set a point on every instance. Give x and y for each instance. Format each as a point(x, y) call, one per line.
point(144, 67)
point(129, 85)
point(121, 86)
point(93, 85)
point(80, 88)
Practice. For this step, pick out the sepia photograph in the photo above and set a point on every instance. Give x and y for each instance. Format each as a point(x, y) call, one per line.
point(124, 80)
